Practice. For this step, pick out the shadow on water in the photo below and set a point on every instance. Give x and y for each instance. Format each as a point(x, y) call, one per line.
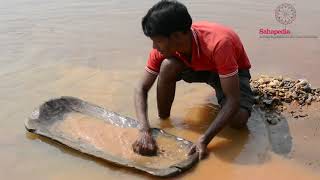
point(279, 134)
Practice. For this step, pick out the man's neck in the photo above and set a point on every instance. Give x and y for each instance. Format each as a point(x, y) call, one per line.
point(186, 45)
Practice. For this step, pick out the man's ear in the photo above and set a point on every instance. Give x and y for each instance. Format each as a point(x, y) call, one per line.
point(178, 37)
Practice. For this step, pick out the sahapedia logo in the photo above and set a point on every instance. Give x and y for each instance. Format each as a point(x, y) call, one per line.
point(285, 14)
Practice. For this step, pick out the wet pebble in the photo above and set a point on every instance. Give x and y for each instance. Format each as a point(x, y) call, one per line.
point(268, 102)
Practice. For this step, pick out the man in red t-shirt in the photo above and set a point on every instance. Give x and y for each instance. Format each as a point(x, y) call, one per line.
point(193, 52)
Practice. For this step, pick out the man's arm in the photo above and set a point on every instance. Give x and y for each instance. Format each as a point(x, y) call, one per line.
point(145, 144)
point(141, 97)
point(231, 90)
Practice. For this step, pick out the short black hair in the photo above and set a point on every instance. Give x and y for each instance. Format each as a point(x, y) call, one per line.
point(166, 17)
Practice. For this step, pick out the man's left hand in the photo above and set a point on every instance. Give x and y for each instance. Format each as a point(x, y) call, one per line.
point(200, 148)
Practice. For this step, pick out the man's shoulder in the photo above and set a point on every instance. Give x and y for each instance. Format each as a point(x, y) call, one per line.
point(213, 35)
point(210, 35)
point(208, 27)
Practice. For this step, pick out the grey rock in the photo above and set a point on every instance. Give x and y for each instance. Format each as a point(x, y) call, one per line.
point(276, 100)
point(268, 101)
point(272, 121)
point(265, 95)
point(307, 88)
point(256, 99)
point(294, 95)
point(302, 82)
point(301, 102)
point(255, 91)
point(308, 101)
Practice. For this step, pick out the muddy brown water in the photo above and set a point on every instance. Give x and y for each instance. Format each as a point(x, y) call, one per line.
point(96, 51)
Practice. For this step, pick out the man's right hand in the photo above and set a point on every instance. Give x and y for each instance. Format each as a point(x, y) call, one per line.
point(145, 144)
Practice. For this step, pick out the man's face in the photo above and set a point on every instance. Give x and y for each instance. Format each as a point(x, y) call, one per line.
point(165, 45)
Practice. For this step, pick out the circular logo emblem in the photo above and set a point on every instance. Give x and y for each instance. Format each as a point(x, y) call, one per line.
point(285, 13)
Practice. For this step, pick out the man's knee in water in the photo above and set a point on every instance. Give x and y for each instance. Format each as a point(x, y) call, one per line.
point(166, 83)
point(240, 120)
point(169, 70)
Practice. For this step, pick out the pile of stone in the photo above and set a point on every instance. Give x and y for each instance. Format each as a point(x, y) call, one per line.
point(272, 92)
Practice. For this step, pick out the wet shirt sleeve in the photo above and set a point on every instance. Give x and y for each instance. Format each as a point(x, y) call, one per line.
point(225, 60)
point(154, 62)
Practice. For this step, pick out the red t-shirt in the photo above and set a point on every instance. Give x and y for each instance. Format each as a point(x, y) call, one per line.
point(214, 48)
